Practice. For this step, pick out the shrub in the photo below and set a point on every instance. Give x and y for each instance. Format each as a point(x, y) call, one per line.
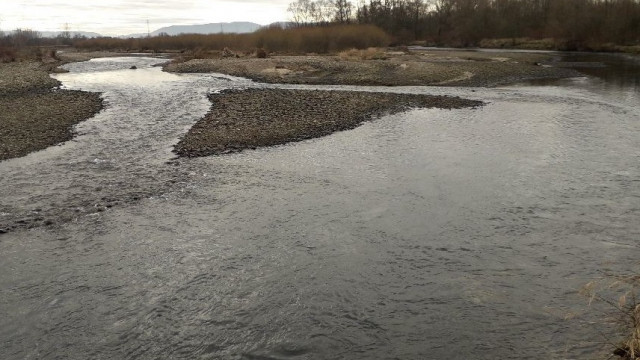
point(367, 54)
point(7, 54)
point(261, 54)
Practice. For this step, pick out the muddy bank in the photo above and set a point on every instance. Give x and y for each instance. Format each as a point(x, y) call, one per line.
point(447, 68)
point(247, 119)
point(34, 114)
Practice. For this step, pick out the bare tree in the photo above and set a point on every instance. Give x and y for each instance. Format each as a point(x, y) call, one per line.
point(301, 12)
point(322, 11)
point(309, 11)
point(343, 10)
point(22, 37)
point(66, 33)
point(575, 23)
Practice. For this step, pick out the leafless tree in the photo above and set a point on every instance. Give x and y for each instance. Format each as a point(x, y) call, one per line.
point(300, 11)
point(343, 9)
point(577, 23)
point(322, 11)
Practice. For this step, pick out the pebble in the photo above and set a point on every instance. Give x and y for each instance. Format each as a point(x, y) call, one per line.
point(38, 115)
point(266, 117)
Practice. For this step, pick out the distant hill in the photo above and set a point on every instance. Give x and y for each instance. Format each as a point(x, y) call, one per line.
point(214, 28)
point(282, 24)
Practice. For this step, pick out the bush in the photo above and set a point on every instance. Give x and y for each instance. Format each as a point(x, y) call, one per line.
point(261, 54)
point(7, 54)
point(368, 54)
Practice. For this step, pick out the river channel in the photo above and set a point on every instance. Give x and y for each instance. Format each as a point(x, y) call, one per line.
point(430, 234)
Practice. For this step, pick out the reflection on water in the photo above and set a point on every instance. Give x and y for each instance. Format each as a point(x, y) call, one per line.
point(429, 234)
point(609, 75)
point(619, 71)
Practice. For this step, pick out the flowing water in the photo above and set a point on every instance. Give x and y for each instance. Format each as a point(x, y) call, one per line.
point(431, 234)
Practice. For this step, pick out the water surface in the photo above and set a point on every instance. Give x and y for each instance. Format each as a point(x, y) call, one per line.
point(428, 234)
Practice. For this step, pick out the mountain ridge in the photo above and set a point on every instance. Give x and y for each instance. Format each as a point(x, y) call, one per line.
point(239, 27)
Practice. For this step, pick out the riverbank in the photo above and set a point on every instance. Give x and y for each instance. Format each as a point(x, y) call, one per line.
point(247, 119)
point(386, 68)
point(35, 113)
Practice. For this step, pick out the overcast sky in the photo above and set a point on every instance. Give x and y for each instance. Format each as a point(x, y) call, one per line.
point(121, 17)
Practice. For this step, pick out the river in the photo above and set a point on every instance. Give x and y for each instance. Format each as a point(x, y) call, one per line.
point(430, 234)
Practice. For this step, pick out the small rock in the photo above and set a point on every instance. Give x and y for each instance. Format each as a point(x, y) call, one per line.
point(133, 67)
point(3, 231)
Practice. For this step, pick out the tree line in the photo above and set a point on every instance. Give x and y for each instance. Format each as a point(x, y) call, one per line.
point(467, 22)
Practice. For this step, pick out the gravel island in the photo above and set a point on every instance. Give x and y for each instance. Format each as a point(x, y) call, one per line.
point(247, 119)
point(414, 68)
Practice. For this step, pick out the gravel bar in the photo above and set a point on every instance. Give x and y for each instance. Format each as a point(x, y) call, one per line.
point(436, 68)
point(34, 113)
point(252, 118)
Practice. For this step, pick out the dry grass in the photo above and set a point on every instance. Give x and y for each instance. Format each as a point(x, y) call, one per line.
point(556, 44)
point(321, 39)
point(609, 47)
point(619, 296)
point(522, 43)
point(366, 54)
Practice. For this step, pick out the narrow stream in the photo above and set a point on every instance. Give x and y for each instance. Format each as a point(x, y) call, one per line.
point(431, 234)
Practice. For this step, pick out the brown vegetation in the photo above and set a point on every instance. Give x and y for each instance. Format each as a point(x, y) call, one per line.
point(570, 24)
point(323, 26)
point(367, 54)
point(619, 298)
point(261, 53)
point(7, 54)
point(273, 39)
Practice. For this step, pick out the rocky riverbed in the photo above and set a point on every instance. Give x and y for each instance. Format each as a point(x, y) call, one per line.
point(34, 113)
point(242, 119)
point(414, 68)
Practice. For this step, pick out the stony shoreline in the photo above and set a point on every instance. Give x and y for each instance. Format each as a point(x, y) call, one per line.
point(415, 68)
point(252, 118)
point(34, 112)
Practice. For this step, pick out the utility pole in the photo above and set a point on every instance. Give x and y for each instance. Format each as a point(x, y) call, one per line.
point(66, 31)
point(148, 31)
